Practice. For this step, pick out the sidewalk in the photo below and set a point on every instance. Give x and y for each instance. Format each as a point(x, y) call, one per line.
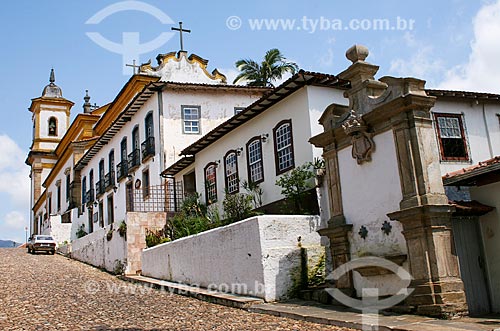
point(324, 314)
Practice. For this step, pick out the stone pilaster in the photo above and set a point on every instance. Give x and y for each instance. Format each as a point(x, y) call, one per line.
point(340, 251)
point(434, 265)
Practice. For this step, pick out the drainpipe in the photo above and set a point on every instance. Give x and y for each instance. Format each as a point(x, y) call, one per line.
point(487, 132)
point(160, 135)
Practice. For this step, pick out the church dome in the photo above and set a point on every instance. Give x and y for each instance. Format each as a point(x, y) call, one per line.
point(52, 90)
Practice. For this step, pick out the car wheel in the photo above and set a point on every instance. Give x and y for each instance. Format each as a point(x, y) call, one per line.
point(29, 250)
point(52, 252)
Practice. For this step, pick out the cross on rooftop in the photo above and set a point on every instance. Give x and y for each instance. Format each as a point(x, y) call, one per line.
point(133, 65)
point(181, 30)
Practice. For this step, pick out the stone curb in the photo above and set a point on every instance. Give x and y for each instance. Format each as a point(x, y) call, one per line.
point(225, 299)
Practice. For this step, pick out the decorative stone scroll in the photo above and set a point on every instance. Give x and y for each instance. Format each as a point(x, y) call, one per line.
point(362, 142)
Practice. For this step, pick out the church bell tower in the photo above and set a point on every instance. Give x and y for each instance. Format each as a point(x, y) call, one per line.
point(50, 117)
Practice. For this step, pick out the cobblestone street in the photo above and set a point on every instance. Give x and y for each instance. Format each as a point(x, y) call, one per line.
point(45, 292)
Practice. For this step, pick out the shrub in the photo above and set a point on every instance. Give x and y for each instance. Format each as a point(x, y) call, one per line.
point(237, 207)
point(254, 191)
point(295, 184)
point(122, 229)
point(156, 237)
point(194, 217)
point(81, 232)
point(109, 235)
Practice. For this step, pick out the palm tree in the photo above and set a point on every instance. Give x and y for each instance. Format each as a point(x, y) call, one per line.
point(272, 68)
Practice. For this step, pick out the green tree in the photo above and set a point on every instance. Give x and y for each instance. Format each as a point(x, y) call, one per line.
point(295, 184)
point(272, 68)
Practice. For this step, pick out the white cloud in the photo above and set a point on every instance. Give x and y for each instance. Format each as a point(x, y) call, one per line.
point(231, 74)
point(423, 63)
point(482, 71)
point(12, 226)
point(14, 190)
point(14, 174)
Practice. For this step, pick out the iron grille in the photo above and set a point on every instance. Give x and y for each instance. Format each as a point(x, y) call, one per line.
point(109, 180)
point(122, 170)
point(148, 148)
point(134, 159)
point(99, 187)
point(159, 198)
point(89, 196)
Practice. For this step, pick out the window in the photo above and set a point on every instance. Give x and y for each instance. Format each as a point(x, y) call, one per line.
point(451, 134)
point(111, 161)
point(84, 192)
point(211, 183)
point(283, 146)
point(52, 129)
point(148, 123)
point(68, 187)
point(254, 161)
point(231, 170)
point(123, 150)
point(135, 138)
point(238, 110)
point(145, 183)
point(191, 119)
point(58, 196)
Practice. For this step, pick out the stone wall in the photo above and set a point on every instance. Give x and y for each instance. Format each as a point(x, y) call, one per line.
point(260, 256)
point(120, 254)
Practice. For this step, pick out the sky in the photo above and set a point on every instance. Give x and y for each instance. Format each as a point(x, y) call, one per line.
point(452, 44)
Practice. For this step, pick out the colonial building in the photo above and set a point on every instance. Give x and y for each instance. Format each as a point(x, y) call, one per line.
point(84, 174)
point(177, 129)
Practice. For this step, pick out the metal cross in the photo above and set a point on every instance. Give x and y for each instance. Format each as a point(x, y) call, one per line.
point(181, 30)
point(133, 65)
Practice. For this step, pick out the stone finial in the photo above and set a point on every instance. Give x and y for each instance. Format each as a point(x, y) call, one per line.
point(87, 107)
point(357, 53)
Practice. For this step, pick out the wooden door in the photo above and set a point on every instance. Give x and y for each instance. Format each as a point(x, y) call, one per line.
point(469, 249)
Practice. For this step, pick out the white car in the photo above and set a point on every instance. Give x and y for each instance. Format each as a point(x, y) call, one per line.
point(42, 243)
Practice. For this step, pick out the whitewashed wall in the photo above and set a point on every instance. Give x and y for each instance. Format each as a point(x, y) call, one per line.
point(96, 250)
point(364, 204)
point(61, 232)
point(52, 188)
point(490, 230)
point(303, 107)
point(261, 252)
point(216, 107)
point(153, 164)
point(478, 125)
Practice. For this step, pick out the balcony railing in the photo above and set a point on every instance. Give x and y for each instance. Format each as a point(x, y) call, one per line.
point(99, 186)
point(89, 196)
point(109, 180)
point(121, 170)
point(134, 160)
point(148, 148)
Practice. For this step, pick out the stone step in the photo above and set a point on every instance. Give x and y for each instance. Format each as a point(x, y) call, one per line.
point(225, 299)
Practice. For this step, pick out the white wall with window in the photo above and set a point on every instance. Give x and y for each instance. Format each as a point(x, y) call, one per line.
point(124, 150)
point(191, 112)
point(261, 149)
point(467, 132)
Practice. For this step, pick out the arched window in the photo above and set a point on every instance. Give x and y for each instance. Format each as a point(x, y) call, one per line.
point(283, 146)
point(148, 123)
point(255, 163)
point(231, 172)
point(211, 183)
point(52, 126)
